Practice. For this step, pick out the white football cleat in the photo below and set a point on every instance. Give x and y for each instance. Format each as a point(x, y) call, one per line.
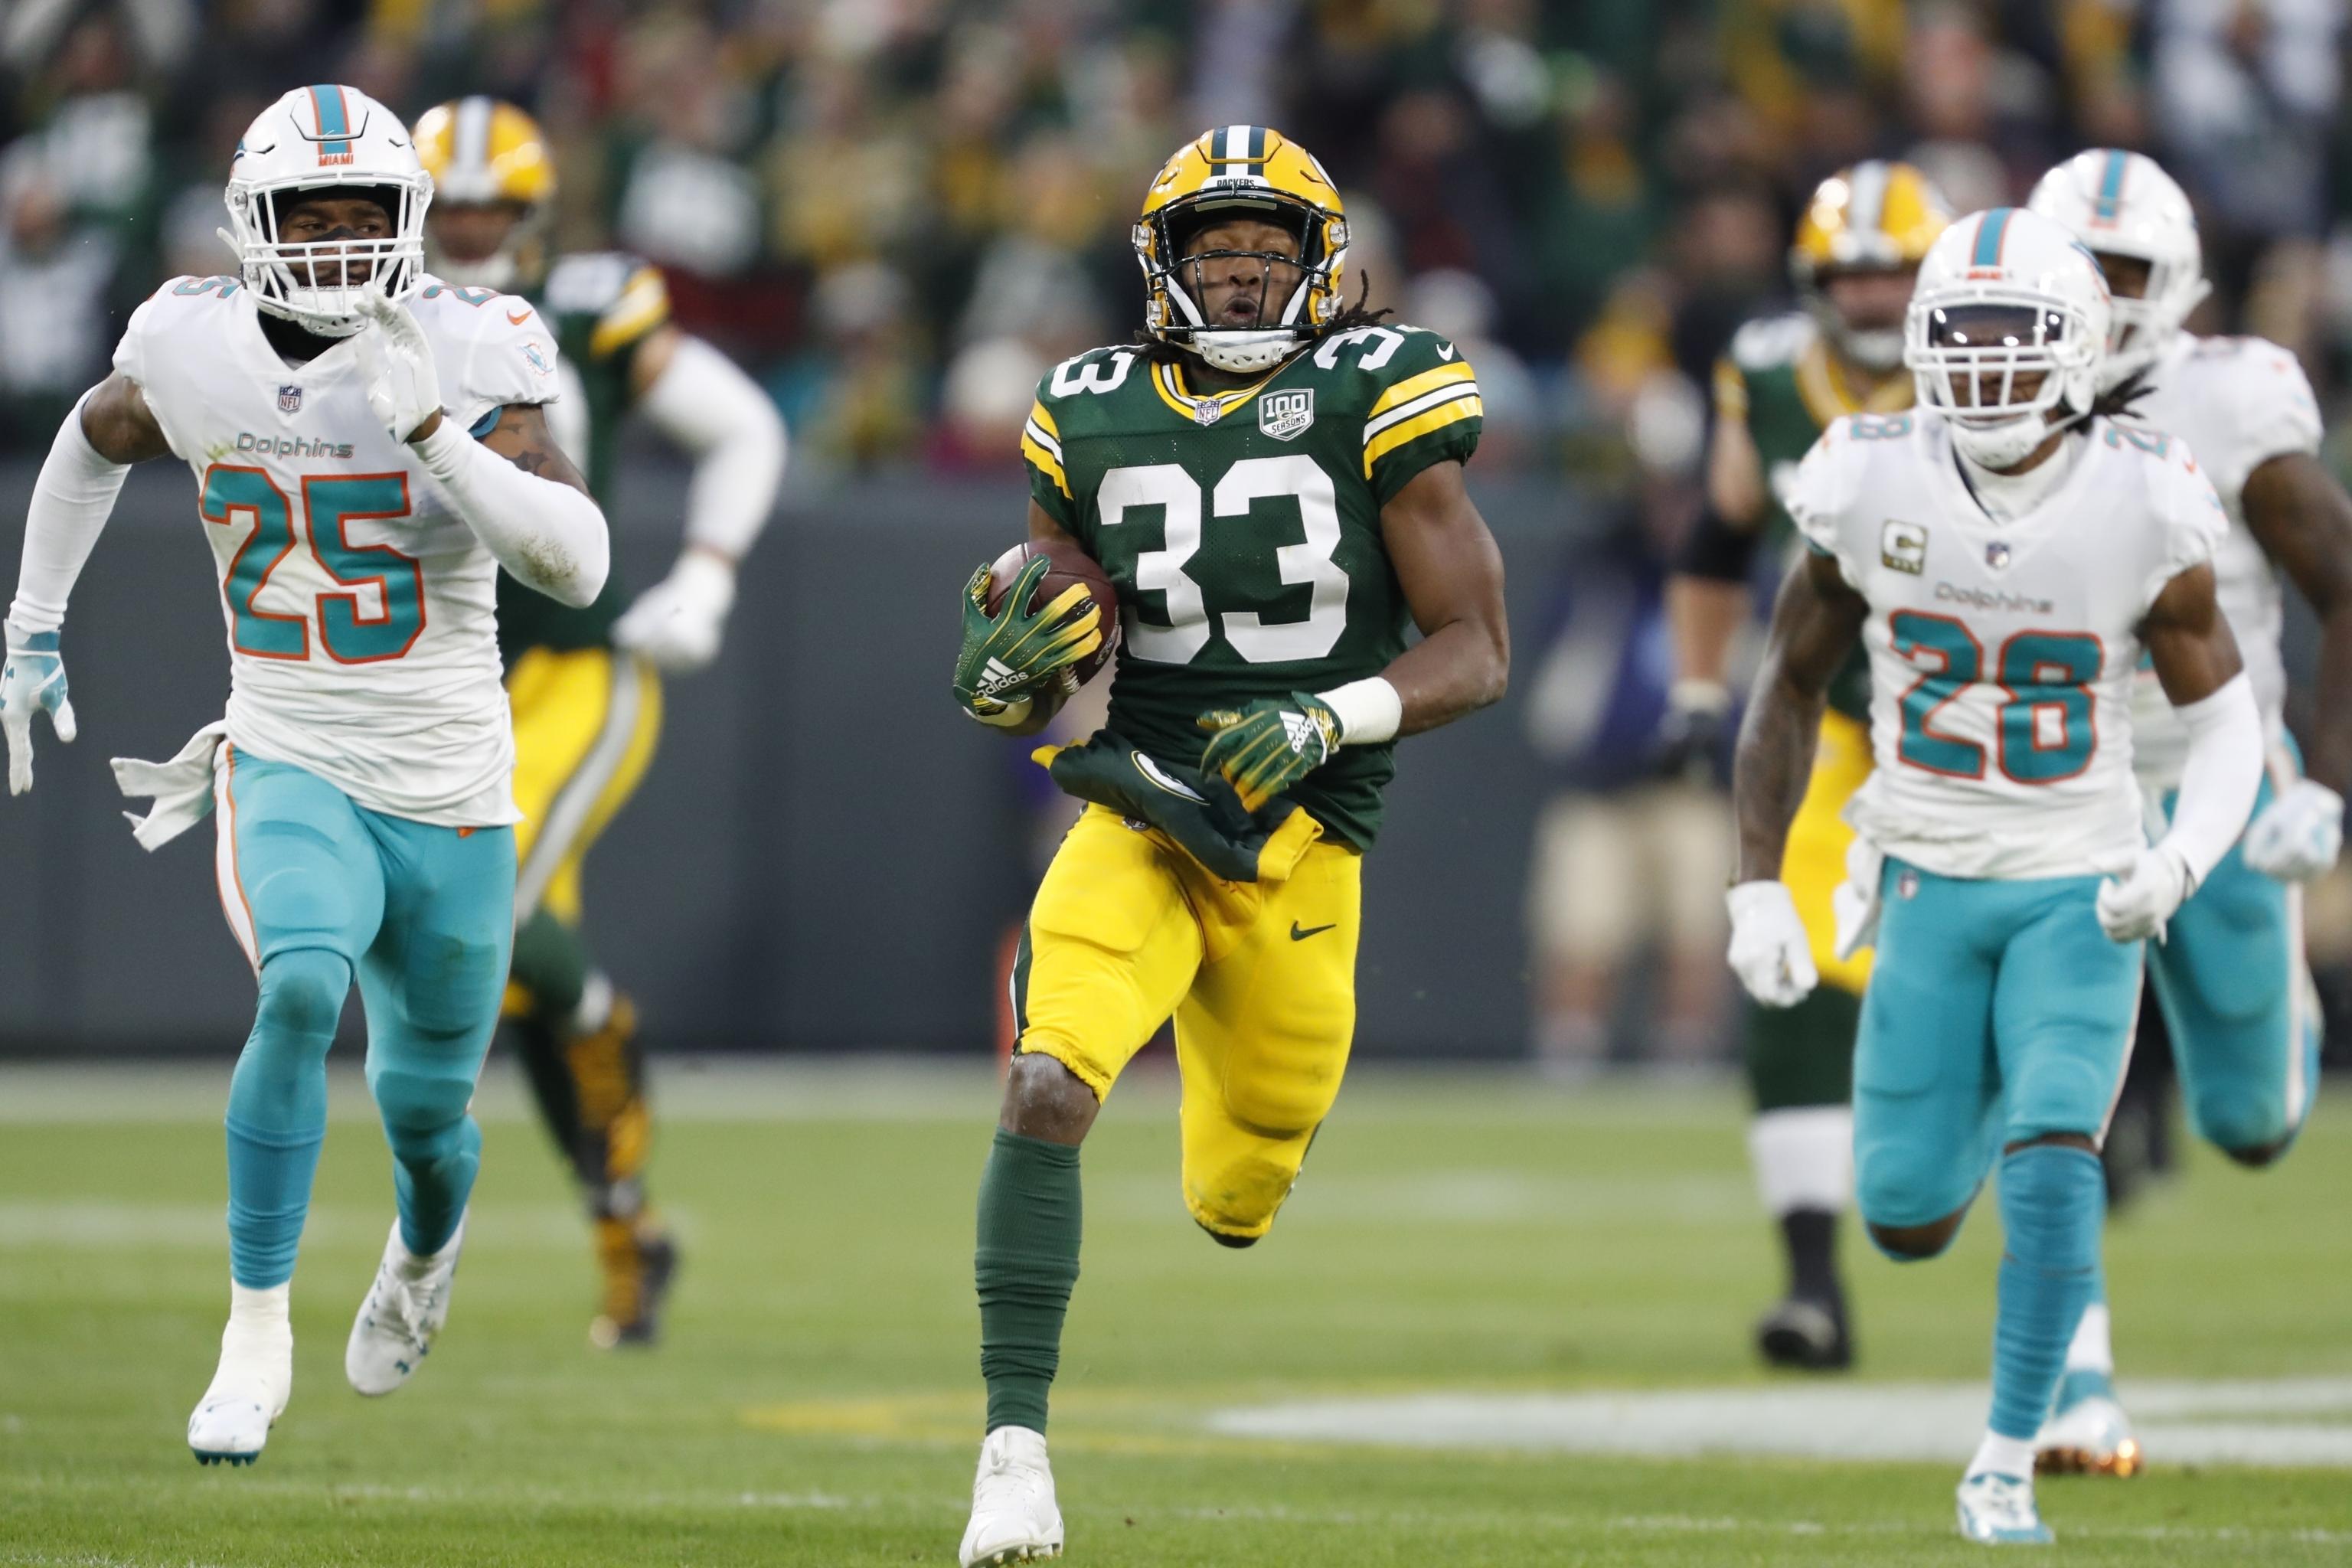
point(1997, 1510)
point(248, 1392)
point(1014, 1517)
point(403, 1310)
point(2087, 1433)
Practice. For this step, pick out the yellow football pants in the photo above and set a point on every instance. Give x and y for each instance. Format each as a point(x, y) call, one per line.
point(585, 721)
point(1813, 863)
point(1261, 978)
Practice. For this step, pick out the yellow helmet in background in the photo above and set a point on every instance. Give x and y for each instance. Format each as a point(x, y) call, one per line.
point(1876, 216)
point(484, 153)
point(1241, 171)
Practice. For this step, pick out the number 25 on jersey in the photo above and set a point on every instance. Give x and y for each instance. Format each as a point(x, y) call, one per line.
point(377, 610)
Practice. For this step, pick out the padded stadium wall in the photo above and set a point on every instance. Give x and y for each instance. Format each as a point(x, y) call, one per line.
point(825, 853)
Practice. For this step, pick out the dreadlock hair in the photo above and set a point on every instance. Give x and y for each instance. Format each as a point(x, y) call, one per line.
point(2116, 402)
point(1358, 314)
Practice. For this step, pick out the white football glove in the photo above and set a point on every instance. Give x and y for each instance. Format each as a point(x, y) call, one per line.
point(32, 679)
point(679, 622)
point(2144, 887)
point(403, 386)
point(1769, 951)
point(2299, 834)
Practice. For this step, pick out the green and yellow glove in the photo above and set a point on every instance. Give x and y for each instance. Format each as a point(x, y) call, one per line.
point(1007, 656)
point(1271, 744)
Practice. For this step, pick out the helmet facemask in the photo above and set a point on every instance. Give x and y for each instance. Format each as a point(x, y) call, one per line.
point(1998, 361)
point(518, 262)
point(1176, 280)
point(283, 275)
point(1877, 350)
point(2143, 324)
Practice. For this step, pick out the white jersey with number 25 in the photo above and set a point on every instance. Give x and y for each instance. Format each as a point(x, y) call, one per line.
point(2001, 654)
point(360, 611)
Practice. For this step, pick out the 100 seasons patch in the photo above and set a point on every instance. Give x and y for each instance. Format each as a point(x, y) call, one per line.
point(1288, 414)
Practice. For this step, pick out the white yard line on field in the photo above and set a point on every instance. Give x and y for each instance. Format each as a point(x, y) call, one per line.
point(2241, 1422)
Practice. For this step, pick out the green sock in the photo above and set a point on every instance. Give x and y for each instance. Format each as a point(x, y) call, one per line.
point(1025, 1264)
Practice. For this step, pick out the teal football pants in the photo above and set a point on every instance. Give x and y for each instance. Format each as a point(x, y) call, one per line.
point(2231, 978)
point(1998, 1012)
point(321, 891)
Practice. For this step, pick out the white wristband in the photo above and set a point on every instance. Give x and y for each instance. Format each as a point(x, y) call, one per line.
point(1368, 710)
point(1691, 695)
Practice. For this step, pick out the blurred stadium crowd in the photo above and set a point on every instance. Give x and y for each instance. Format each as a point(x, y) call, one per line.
point(898, 213)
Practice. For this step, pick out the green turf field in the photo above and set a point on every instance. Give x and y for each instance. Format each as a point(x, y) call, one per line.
point(817, 1402)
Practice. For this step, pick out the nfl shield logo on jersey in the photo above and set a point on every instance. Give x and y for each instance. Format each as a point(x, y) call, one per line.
point(1997, 555)
point(290, 399)
point(1286, 415)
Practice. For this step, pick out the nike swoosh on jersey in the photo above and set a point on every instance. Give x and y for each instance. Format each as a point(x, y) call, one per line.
point(1297, 935)
point(1445, 351)
point(515, 320)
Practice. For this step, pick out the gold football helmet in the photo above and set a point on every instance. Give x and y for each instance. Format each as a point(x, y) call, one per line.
point(485, 153)
point(1876, 216)
point(1242, 171)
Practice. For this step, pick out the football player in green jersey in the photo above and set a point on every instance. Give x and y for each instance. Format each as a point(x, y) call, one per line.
point(1273, 483)
point(585, 684)
point(1785, 378)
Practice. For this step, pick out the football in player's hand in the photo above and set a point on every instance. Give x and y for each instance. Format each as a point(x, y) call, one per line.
point(1070, 565)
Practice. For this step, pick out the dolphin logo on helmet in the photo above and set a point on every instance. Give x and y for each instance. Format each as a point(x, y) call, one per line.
point(2008, 325)
point(312, 140)
point(2123, 203)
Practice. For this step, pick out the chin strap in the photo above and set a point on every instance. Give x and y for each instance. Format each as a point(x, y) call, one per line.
point(1265, 347)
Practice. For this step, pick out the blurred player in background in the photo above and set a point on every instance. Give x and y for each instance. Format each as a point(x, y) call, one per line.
point(584, 681)
point(1273, 483)
point(1784, 381)
point(364, 473)
point(2005, 555)
point(2231, 976)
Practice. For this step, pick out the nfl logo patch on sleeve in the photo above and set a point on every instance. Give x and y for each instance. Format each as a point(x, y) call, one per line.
point(290, 399)
point(1286, 415)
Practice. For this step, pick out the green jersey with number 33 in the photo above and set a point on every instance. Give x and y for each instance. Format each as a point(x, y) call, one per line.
point(1243, 527)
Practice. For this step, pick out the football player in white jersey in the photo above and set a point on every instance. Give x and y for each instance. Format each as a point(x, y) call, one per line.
point(369, 446)
point(2231, 976)
point(2005, 554)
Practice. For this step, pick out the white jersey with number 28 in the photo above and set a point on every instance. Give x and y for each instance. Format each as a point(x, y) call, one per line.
point(2001, 654)
point(360, 611)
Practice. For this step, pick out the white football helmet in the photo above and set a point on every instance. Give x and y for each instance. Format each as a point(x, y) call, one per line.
point(2008, 323)
point(323, 138)
point(2123, 203)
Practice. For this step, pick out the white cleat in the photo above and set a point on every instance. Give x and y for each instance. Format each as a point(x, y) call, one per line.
point(1013, 1518)
point(248, 1392)
point(404, 1310)
point(1997, 1510)
point(2087, 1433)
